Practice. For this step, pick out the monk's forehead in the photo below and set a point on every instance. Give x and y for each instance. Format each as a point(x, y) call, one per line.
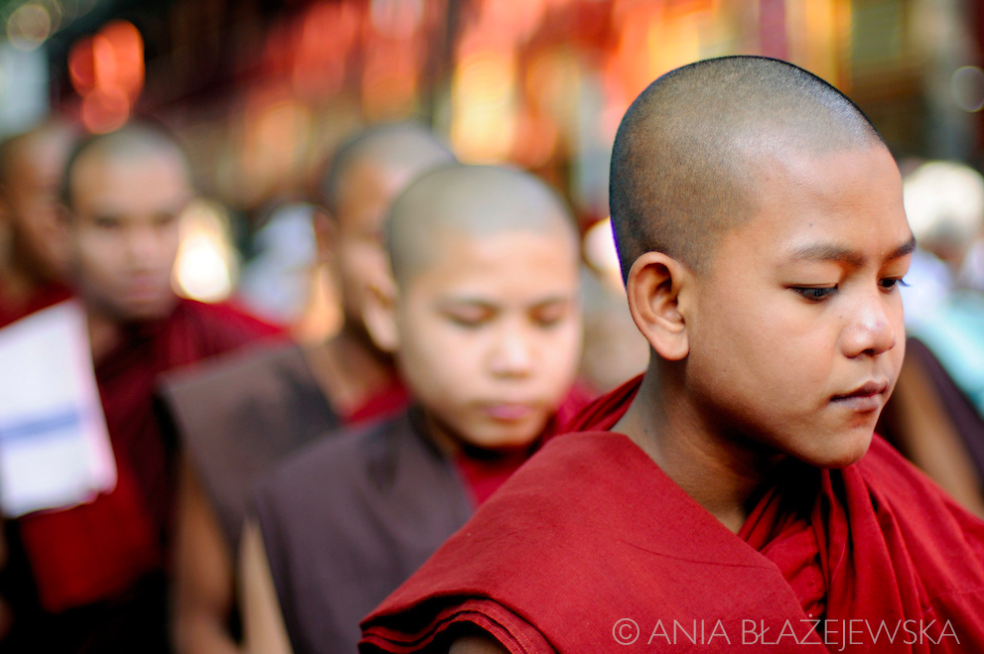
point(471, 202)
point(113, 166)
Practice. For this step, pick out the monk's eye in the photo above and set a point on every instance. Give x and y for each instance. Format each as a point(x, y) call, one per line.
point(550, 316)
point(106, 222)
point(891, 283)
point(165, 220)
point(815, 293)
point(468, 319)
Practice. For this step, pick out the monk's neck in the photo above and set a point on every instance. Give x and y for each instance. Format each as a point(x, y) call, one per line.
point(105, 333)
point(18, 286)
point(720, 475)
point(350, 370)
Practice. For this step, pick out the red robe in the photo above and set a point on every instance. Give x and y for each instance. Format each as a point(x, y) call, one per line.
point(43, 297)
point(591, 546)
point(97, 552)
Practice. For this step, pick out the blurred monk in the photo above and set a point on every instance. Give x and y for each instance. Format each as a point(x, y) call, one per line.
point(33, 268)
point(485, 326)
point(96, 572)
point(238, 417)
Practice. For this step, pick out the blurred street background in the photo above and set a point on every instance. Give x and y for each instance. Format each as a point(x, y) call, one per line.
point(261, 90)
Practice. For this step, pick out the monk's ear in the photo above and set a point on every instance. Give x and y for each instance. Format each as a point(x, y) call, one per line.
point(655, 283)
point(379, 313)
point(325, 234)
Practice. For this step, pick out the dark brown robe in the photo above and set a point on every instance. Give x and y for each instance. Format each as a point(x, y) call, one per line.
point(238, 416)
point(350, 518)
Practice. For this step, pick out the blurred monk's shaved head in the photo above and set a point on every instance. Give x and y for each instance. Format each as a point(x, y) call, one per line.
point(684, 161)
point(401, 149)
point(365, 176)
point(31, 166)
point(475, 202)
point(134, 144)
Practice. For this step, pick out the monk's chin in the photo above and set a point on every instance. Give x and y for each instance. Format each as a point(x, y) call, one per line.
point(845, 451)
point(147, 310)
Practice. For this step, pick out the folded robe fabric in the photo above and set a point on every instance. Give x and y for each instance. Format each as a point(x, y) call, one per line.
point(591, 547)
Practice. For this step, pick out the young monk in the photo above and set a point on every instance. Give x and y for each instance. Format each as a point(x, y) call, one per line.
point(240, 415)
point(486, 330)
point(97, 574)
point(32, 270)
point(734, 495)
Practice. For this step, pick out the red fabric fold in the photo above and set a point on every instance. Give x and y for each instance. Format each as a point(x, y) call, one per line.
point(591, 533)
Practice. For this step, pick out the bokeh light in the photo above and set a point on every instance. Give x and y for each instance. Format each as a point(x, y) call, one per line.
point(206, 266)
point(29, 26)
point(967, 88)
point(483, 99)
point(599, 250)
point(107, 71)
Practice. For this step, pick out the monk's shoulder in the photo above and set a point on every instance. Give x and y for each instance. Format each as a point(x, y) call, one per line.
point(270, 362)
point(269, 383)
point(222, 326)
point(346, 470)
point(895, 479)
point(912, 500)
point(577, 484)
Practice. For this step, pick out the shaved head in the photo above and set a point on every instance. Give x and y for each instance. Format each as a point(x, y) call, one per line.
point(684, 162)
point(31, 167)
point(136, 142)
point(55, 136)
point(470, 201)
point(405, 149)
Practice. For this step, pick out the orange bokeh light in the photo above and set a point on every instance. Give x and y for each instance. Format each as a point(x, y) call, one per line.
point(107, 70)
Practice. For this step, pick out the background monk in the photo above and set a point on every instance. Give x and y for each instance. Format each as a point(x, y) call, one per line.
point(735, 491)
point(33, 267)
point(240, 415)
point(97, 570)
point(486, 329)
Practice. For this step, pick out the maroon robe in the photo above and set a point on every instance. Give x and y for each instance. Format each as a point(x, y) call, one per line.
point(43, 297)
point(591, 547)
point(348, 519)
point(95, 559)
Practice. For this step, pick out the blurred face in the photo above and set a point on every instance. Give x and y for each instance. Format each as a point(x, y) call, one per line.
point(796, 338)
point(490, 335)
point(360, 254)
point(30, 206)
point(125, 232)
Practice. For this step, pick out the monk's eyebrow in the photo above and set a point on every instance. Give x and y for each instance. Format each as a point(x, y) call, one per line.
point(906, 248)
point(837, 254)
point(464, 302)
point(829, 252)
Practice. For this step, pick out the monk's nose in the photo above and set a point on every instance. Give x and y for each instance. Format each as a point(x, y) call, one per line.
point(872, 329)
point(512, 354)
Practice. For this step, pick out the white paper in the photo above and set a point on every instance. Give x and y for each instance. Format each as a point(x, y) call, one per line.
point(54, 446)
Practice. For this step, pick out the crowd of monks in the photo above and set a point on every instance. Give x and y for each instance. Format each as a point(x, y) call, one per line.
point(436, 476)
